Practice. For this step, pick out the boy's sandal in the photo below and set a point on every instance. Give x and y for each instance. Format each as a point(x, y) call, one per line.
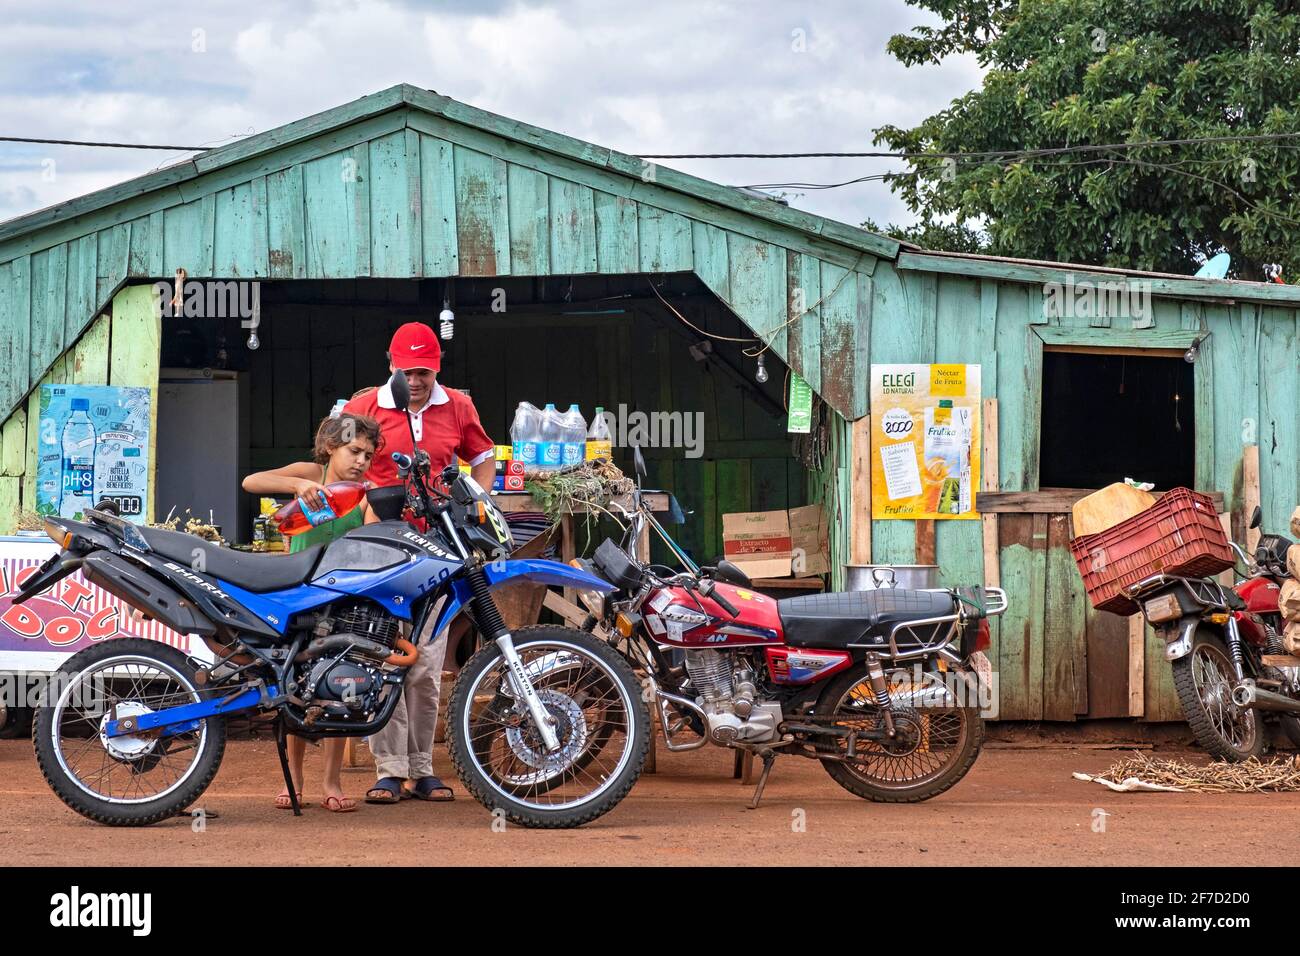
point(431, 789)
point(339, 804)
point(385, 790)
point(282, 802)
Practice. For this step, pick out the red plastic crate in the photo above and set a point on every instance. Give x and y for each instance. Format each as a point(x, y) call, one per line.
point(1180, 534)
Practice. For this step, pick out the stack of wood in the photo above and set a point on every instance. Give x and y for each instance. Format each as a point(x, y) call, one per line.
point(1288, 601)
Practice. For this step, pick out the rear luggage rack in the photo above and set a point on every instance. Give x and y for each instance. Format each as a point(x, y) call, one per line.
point(939, 638)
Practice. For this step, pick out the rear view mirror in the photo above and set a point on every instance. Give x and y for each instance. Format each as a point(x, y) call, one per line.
point(401, 391)
point(387, 502)
point(728, 572)
point(1256, 517)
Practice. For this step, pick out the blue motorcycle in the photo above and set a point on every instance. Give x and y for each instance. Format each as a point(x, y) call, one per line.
point(547, 724)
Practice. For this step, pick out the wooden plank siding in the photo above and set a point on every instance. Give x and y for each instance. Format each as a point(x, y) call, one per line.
point(406, 184)
point(1057, 658)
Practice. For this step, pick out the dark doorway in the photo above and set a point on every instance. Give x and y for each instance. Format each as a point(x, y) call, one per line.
point(1108, 417)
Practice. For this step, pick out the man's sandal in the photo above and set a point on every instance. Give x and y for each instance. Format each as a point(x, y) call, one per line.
point(385, 790)
point(431, 789)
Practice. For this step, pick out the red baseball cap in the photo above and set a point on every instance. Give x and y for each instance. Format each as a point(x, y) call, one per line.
point(414, 345)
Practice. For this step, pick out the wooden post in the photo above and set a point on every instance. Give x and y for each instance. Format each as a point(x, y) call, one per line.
point(925, 546)
point(643, 545)
point(135, 340)
point(1137, 644)
point(743, 768)
point(356, 753)
point(860, 493)
point(1225, 577)
point(989, 482)
point(1250, 491)
point(651, 763)
point(568, 551)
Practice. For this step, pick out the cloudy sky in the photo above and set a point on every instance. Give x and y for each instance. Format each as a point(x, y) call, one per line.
point(668, 77)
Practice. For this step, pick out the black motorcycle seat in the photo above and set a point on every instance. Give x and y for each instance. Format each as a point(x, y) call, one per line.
point(850, 617)
point(252, 572)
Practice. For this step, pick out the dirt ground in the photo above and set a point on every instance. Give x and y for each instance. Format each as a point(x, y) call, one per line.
point(1017, 806)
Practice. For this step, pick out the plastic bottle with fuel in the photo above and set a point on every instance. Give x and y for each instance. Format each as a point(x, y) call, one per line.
point(340, 498)
point(599, 442)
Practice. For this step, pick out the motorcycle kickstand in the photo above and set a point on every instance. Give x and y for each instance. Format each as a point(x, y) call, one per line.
point(280, 735)
point(768, 758)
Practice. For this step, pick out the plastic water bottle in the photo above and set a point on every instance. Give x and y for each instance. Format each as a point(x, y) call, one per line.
point(575, 437)
point(78, 448)
point(550, 449)
point(599, 442)
point(524, 434)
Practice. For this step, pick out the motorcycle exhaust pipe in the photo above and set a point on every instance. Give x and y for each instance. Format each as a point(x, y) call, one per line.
point(338, 642)
point(1251, 697)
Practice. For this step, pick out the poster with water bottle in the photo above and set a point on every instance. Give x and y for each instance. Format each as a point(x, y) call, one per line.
point(94, 443)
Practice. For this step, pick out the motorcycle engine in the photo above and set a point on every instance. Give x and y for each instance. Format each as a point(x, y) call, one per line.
point(340, 672)
point(727, 695)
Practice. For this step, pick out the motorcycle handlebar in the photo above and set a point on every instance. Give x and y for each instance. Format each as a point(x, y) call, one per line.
point(710, 590)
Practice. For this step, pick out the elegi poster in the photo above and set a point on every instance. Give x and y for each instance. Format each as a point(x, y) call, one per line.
point(94, 443)
point(925, 441)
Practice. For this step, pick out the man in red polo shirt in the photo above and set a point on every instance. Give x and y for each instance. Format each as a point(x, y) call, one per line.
point(446, 425)
point(445, 422)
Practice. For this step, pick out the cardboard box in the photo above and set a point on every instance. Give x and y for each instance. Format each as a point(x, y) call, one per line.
point(504, 452)
point(810, 537)
point(514, 467)
point(758, 542)
point(514, 482)
point(778, 544)
point(756, 567)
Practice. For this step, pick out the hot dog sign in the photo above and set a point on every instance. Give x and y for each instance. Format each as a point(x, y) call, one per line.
point(38, 635)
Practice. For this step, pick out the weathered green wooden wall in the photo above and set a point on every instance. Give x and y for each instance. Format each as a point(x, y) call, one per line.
point(408, 194)
point(1247, 382)
point(118, 348)
point(408, 184)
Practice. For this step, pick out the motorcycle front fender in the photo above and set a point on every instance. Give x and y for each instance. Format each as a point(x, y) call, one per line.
point(534, 570)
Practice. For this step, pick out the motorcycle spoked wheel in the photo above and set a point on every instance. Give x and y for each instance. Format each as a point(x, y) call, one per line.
point(125, 781)
point(541, 779)
point(936, 746)
point(1204, 679)
point(602, 724)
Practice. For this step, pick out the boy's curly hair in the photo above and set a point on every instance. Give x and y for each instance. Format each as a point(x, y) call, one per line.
point(336, 432)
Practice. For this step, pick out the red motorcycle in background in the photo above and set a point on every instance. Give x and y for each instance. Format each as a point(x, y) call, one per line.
point(884, 687)
point(1230, 668)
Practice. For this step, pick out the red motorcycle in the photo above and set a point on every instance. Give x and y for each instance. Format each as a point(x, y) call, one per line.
point(884, 687)
point(1231, 670)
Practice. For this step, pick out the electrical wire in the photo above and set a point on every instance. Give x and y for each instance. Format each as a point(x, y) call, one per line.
point(1044, 151)
point(871, 154)
point(78, 142)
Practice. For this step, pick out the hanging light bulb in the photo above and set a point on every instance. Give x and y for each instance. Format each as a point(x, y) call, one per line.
point(254, 343)
point(447, 320)
point(761, 374)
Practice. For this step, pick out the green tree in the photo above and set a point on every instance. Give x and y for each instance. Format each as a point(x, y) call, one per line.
point(1067, 73)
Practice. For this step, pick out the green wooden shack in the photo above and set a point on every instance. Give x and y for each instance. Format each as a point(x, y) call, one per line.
point(579, 274)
